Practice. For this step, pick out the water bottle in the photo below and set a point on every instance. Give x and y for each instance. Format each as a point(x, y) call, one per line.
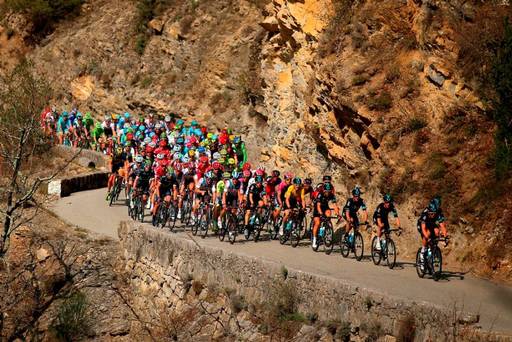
point(251, 221)
point(322, 230)
point(383, 244)
point(289, 225)
point(351, 238)
point(429, 253)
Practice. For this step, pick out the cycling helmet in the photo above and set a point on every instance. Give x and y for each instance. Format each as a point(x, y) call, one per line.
point(142, 128)
point(198, 132)
point(308, 181)
point(185, 159)
point(247, 173)
point(288, 175)
point(231, 161)
point(356, 191)
point(437, 201)
point(177, 156)
point(139, 159)
point(79, 115)
point(260, 172)
point(235, 174)
point(129, 136)
point(214, 137)
point(276, 173)
point(231, 138)
point(297, 181)
point(158, 126)
point(223, 152)
point(203, 159)
point(163, 135)
point(176, 148)
point(65, 114)
point(387, 198)
point(208, 174)
point(147, 140)
point(167, 118)
point(201, 149)
point(236, 139)
point(119, 150)
point(162, 143)
point(160, 156)
point(191, 153)
point(193, 123)
point(221, 160)
point(114, 116)
point(216, 156)
point(326, 178)
point(180, 122)
point(209, 136)
point(216, 165)
point(126, 115)
point(432, 207)
point(328, 187)
point(152, 144)
point(258, 179)
point(226, 175)
point(98, 125)
point(246, 166)
point(179, 140)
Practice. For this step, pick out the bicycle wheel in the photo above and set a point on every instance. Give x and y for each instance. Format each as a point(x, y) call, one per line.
point(390, 253)
point(275, 228)
point(295, 234)
point(172, 215)
point(112, 194)
point(375, 252)
point(420, 268)
point(344, 245)
point(232, 231)
point(437, 263)
point(205, 222)
point(358, 246)
point(141, 211)
point(195, 225)
point(257, 228)
point(286, 234)
point(328, 238)
point(222, 231)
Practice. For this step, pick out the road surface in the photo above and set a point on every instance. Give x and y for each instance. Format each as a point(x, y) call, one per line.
point(492, 302)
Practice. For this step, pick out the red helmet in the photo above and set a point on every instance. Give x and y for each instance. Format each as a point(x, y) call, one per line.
point(129, 136)
point(288, 175)
point(160, 171)
point(163, 143)
point(216, 165)
point(203, 159)
point(260, 172)
point(247, 173)
point(246, 166)
point(204, 130)
point(223, 139)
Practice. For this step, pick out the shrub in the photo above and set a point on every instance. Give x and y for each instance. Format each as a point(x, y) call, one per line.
point(72, 321)
point(393, 74)
point(44, 14)
point(238, 303)
point(416, 123)
point(197, 287)
point(436, 166)
point(360, 80)
point(384, 101)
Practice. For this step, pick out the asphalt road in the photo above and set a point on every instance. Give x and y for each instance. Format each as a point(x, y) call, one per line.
point(491, 301)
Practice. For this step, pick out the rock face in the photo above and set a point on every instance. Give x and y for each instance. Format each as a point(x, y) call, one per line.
point(370, 92)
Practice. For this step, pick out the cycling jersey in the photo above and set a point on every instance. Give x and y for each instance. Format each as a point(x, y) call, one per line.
point(166, 185)
point(430, 222)
point(282, 188)
point(271, 185)
point(257, 195)
point(382, 213)
point(143, 180)
point(324, 200)
point(232, 191)
point(353, 206)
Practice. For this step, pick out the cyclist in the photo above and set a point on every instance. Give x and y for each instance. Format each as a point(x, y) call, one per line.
point(431, 223)
point(322, 208)
point(271, 187)
point(281, 191)
point(63, 126)
point(380, 216)
point(232, 195)
point(202, 194)
point(116, 164)
point(294, 198)
point(133, 171)
point(352, 207)
point(255, 200)
point(142, 182)
point(165, 188)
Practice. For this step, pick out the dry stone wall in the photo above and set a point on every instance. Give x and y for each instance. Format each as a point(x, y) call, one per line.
point(161, 265)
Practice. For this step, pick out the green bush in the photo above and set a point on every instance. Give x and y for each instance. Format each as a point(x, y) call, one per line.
point(416, 123)
point(384, 101)
point(44, 13)
point(360, 80)
point(502, 76)
point(72, 321)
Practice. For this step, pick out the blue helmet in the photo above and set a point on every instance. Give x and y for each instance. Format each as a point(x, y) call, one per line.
point(127, 115)
point(201, 149)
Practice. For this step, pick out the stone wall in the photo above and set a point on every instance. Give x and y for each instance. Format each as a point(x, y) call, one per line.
point(86, 158)
point(161, 264)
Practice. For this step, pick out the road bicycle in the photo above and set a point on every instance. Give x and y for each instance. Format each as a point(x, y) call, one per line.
point(113, 195)
point(432, 261)
point(325, 236)
point(353, 242)
point(256, 222)
point(204, 216)
point(387, 250)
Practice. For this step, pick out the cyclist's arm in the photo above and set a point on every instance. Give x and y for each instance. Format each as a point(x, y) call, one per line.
point(365, 212)
point(224, 199)
point(442, 225)
point(424, 229)
point(319, 208)
point(251, 201)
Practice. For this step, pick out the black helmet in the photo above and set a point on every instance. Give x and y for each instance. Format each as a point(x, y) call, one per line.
point(387, 198)
point(259, 179)
point(326, 178)
point(308, 181)
point(356, 191)
point(276, 173)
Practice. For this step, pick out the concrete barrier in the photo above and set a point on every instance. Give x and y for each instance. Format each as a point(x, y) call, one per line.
point(86, 158)
point(66, 186)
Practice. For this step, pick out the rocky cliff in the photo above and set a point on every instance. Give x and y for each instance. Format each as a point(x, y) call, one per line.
point(384, 94)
